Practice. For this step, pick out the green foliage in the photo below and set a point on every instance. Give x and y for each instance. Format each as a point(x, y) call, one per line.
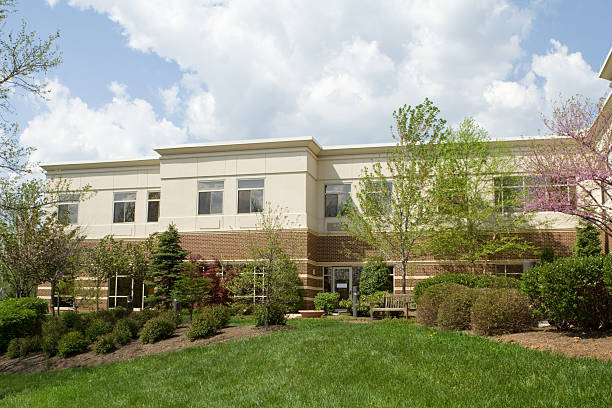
point(466, 279)
point(221, 313)
point(276, 316)
point(119, 312)
point(175, 318)
point(97, 328)
point(547, 255)
point(364, 303)
point(165, 265)
point(157, 329)
point(190, 289)
point(205, 324)
point(72, 343)
point(14, 347)
point(15, 321)
point(497, 311)
point(21, 347)
point(429, 303)
point(130, 325)
point(573, 292)
point(588, 242)
point(327, 301)
point(72, 320)
point(144, 316)
point(52, 330)
point(375, 277)
point(105, 344)
point(454, 313)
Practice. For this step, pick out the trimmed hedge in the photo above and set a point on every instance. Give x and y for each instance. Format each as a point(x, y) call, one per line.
point(465, 279)
point(428, 304)
point(72, 343)
point(497, 311)
point(327, 301)
point(157, 329)
point(19, 318)
point(573, 292)
point(454, 313)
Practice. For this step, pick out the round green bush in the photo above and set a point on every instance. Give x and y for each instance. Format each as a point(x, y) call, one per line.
point(375, 277)
point(21, 347)
point(327, 301)
point(128, 324)
point(454, 313)
point(276, 316)
point(143, 316)
point(121, 333)
point(466, 279)
point(176, 318)
point(71, 319)
point(97, 328)
point(157, 329)
point(428, 304)
point(72, 343)
point(119, 313)
point(573, 292)
point(14, 348)
point(204, 325)
point(497, 311)
point(52, 331)
point(20, 318)
point(222, 315)
point(105, 344)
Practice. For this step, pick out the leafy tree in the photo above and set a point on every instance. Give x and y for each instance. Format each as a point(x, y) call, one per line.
point(219, 293)
point(191, 289)
point(394, 210)
point(587, 240)
point(475, 225)
point(272, 273)
point(165, 266)
point(575, 168)
point(375, 277)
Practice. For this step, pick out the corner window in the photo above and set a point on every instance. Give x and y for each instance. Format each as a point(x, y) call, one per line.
point(210, 197)
point(250, 196)
point(153, 206)
point(127, 292)
point(68, 208)
point(336, 197)
point(124, 207)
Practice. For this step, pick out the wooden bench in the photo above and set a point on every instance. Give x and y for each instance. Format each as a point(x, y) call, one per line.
point(395, 303)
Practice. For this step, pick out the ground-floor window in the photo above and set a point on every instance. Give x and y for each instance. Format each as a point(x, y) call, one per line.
point(509, 270)
point(126, 292)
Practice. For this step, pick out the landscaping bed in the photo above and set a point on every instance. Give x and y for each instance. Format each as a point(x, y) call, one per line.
point(179, 341)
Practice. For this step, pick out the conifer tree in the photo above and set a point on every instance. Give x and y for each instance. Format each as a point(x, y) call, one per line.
point(587, 240)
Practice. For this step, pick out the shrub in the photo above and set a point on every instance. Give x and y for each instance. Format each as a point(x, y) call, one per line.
point(364, 303)
point(327, 301)
point(72, 320)
point(119, 312)
point(52, 331)
point(156, 329)
point(175, 318)
point(144, 316)
point(122, 332)
point(497, 311)
point(220, 313)
point(105, 344)
point(454, 313)
point(14, 348)
point(572, 292)
point(587, 240)
point(97, 328)
point(204, 324)
point(466, 279)
point(72, 343)
point(129, 324)
point(276, 315)
point(375, 277)
point(19, 318)
point(428, 304)
point(547, 255)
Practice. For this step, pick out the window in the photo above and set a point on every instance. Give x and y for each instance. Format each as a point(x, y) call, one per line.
point(124, 207)
point(512, 192)
point(210, 197)
point(127, 292)
point(336, 197)
point(153, 206)
point(380, 195)
point(68, 209)
point(250, 196)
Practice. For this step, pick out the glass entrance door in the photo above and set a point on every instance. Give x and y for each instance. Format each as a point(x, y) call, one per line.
point(342, 280)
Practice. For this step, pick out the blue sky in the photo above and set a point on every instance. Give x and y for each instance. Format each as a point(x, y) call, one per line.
point(138, 73)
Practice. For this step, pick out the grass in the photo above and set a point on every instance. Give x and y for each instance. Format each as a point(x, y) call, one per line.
point(328, 363)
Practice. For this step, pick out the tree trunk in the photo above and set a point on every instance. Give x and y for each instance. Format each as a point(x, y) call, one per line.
point(403, 276)
point(52, 295)
point(190, 314)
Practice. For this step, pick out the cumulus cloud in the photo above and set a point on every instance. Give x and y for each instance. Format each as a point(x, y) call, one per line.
point(69, 129)
point(337, 70)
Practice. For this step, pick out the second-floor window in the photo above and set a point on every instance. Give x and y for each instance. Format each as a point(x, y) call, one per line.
point(68, 208)
point(512, 192)
point(210, 197)
point(153, 206)
point(336, 197)
point(250, 196)
point(124, 206)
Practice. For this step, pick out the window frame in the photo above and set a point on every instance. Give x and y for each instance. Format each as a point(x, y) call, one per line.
point(114, 296)
point(210, 191)
point(115, 201)
point(67, 201)
point(250, 189)
point(337, 194)
point(150, 200)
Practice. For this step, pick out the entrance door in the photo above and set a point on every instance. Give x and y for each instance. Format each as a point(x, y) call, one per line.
point(342, 281)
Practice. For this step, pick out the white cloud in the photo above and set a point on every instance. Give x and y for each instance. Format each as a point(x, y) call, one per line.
point(123, 128)
point(336, 70)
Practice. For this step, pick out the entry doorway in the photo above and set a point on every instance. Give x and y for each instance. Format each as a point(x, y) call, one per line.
point(341, 279)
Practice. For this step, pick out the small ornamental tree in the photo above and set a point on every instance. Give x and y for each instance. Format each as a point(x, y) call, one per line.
point(165, 266)
point(191, 289)
point(219, 293)
point(375, 277)
point(587, 240)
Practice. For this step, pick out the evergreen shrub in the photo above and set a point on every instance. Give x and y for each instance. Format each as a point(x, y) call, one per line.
point(157, 329)
point(429, 302)
point(327, 301)
point(72, 343)
point(497, 311)
point(466, 279)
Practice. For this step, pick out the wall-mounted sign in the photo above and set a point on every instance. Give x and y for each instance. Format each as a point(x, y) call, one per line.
point(341, 285)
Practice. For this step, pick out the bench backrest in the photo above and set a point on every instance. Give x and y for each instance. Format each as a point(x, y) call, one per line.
point(393, 300)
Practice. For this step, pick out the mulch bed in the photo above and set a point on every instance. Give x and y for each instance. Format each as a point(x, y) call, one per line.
point(38, 363)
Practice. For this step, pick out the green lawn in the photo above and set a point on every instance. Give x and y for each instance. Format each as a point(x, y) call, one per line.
point(328, 363)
